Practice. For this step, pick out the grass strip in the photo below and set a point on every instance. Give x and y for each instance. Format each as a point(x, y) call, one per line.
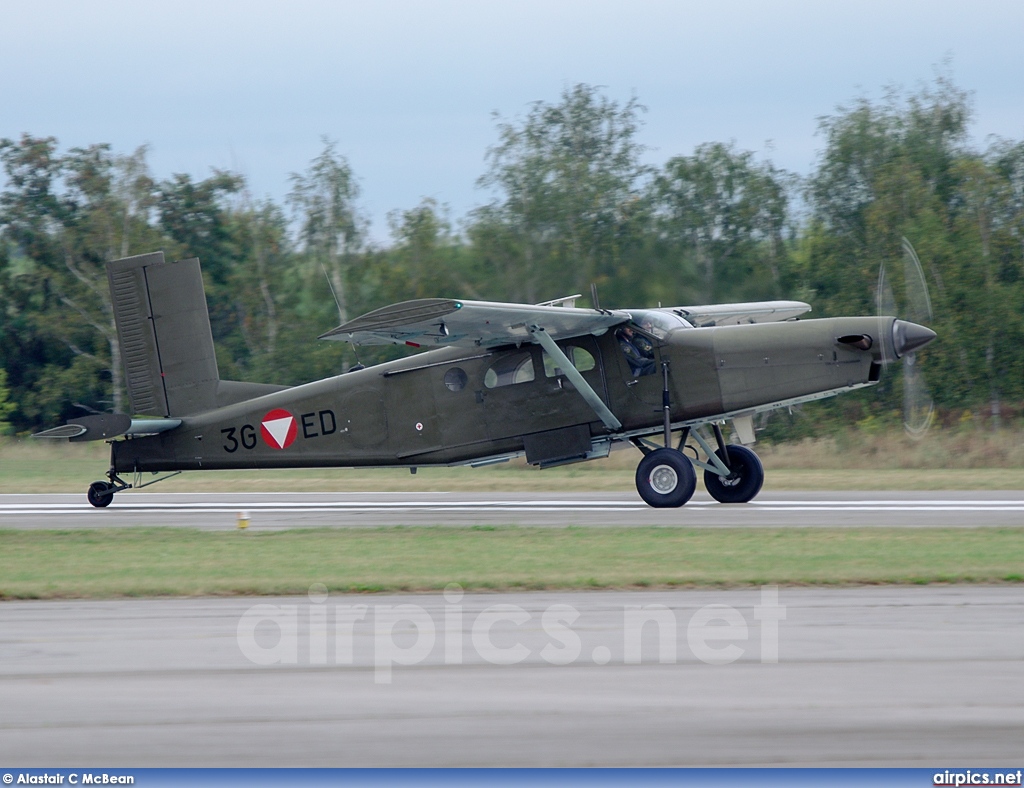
point(75, 476)
point(184, 562)
point(37, 467)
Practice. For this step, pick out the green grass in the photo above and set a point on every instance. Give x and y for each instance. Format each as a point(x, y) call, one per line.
point(37, 467)
point(109, 563)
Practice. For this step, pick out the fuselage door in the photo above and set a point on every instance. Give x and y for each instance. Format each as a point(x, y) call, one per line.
point(413, 425)
point(525, 392)
point(454, 389)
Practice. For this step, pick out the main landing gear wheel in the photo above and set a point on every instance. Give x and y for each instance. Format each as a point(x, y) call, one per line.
point(665, 478)
point(100, 494)
point(744, 482)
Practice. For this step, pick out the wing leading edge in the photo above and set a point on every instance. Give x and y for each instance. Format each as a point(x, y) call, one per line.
point(438, 322)
point(747, 312)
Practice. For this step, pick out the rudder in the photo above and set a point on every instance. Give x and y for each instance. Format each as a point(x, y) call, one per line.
point(163, 326)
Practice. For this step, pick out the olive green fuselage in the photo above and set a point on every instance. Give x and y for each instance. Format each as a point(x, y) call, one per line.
point(452, 406)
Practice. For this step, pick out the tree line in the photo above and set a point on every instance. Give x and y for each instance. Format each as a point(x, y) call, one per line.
point(572, 202)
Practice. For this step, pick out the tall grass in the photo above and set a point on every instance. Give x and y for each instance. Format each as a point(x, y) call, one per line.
point(961, 459)
point(893, 449)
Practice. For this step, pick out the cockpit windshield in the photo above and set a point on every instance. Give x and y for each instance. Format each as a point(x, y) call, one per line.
point(657, 323)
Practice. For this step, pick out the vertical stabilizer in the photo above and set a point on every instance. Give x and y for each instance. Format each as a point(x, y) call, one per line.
point(164, 330)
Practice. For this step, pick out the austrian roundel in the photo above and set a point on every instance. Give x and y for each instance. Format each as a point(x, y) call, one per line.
point(278, 429)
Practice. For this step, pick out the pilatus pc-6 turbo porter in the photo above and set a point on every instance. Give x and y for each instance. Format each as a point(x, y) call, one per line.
point(551, 381)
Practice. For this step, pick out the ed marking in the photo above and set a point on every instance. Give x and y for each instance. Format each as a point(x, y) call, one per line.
point(328, 425)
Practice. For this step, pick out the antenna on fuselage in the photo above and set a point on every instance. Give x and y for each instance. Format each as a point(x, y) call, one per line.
point(337, 303)
point(359, 364)
point(593, 296)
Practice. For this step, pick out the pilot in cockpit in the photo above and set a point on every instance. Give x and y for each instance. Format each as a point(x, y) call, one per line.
point(638, 351)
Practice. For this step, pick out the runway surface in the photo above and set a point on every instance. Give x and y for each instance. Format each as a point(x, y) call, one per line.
point(864, 677)
point(354, 510)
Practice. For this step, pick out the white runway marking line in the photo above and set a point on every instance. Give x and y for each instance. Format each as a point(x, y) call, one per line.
point(339, 506)
point(759, 507)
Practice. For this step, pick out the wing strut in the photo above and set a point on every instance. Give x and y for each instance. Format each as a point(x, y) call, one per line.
point(545, 341)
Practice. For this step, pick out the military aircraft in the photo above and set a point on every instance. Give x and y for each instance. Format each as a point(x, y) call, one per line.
point(551, 381)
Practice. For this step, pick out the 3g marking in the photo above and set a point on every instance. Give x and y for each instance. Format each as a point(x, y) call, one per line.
point(314, 424)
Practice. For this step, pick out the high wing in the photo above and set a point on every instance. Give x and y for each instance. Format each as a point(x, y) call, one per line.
point(437, 322)
point(735, 314)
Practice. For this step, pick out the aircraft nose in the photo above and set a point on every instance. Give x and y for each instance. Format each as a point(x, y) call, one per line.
point(908, 337)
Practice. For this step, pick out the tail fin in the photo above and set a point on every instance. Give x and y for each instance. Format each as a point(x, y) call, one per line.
point(163, 326)
point(164, 330)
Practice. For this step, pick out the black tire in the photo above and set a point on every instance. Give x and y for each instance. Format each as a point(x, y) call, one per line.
point(100, 494)
point(745, 482)
point(665, 478)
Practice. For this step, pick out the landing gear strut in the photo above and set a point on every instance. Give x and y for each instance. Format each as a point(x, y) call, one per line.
point(100, 494)
point(665, 476)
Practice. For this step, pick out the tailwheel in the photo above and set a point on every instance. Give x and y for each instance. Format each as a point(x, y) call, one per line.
point(100, 494)
point(665, 478)
point(743, 483)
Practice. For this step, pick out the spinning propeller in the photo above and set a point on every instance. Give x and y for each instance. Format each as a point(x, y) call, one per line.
point(918, 406)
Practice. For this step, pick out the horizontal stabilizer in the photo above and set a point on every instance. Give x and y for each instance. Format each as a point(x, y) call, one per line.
point(106, 426)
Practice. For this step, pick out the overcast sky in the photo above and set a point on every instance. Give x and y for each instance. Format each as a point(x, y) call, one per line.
point(407, 89)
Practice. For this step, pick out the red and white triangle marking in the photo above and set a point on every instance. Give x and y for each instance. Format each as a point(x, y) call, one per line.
point(278, 429)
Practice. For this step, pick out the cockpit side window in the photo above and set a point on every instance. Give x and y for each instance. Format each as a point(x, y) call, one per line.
point(580, 358)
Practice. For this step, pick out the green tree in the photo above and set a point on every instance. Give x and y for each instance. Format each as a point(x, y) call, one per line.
point(903, 167)
point(427, 257)
point(927, 129)
point(194, 215)
point(194, 218)
point(569, 207)
point(6, 406)
point(258, 280)
point(68, 214)
point(726, 213)
point(331, 228)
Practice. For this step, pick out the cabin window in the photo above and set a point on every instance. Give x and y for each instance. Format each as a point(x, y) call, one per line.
point(455, 379)
point(510, 370)
point(580, 358)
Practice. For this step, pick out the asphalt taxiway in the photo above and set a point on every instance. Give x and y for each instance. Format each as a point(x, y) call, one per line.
point(864, 677)
point(354, 510)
